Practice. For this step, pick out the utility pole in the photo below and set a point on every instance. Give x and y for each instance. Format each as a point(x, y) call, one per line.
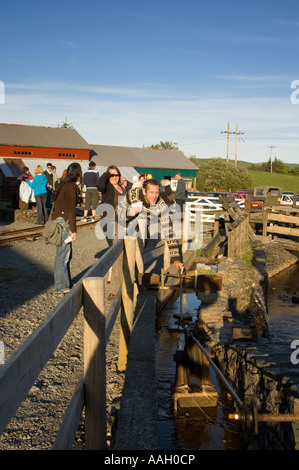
point(271, 147)
point(228, 134)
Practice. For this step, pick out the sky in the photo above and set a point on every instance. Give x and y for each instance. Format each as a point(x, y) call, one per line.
point(133, 73)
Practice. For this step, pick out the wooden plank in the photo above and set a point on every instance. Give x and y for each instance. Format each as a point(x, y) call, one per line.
point(24, 366)
point(94, 363)
point(288, 219)
point(283, 230)
point(128, 301)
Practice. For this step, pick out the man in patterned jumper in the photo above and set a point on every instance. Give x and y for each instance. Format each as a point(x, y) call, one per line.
point(149, 204)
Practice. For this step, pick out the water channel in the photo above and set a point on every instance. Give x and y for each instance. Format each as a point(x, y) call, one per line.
point(210, 428)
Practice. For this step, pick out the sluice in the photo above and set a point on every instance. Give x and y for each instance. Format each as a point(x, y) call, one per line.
point(193, 388)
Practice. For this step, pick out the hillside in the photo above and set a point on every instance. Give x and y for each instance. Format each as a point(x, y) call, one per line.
point(285, 182)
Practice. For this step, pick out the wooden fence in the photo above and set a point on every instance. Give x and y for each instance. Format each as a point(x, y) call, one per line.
point(23, 367)
point(281, 221)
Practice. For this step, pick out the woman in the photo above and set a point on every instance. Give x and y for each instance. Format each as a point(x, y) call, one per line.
point(39, 186)
point(65, 199)
point(113, 193)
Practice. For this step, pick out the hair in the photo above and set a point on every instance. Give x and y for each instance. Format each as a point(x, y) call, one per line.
point(150, 181)
point(25, 169)
point(73, 174)
point(113, 167)
point(38, 170)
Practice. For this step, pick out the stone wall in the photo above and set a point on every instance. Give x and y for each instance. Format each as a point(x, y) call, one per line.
point(248, 362)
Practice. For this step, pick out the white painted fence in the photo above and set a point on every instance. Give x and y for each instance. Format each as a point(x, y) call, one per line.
point(207, 206)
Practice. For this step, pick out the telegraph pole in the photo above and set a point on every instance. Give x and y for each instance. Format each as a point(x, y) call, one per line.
point(271, 147)
point(228, 134)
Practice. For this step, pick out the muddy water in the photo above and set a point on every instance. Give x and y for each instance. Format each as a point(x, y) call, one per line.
point(208, 428)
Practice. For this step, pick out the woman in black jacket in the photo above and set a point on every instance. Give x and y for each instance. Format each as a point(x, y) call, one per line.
point(114, 194)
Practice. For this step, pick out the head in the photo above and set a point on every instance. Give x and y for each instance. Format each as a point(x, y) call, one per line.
point(25, 170)
point(49, 167)
point(115, 174)
point(73, 175)
point(91, 165)
point(142, 178)
point(178, 176)
point(38, 170)
point(151, 191)
point(53, 169)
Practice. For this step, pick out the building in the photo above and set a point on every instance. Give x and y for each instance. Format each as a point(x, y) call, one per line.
point(161, 164)
point(23, 145)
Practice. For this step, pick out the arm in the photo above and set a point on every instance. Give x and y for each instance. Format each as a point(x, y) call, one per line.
point(103, 181)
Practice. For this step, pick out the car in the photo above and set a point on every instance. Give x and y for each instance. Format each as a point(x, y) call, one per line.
point(242, 193)
point(287, 199)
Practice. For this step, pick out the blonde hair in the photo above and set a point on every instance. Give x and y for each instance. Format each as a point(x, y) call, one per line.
point(38, 170)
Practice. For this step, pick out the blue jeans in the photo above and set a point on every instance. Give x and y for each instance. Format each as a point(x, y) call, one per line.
point(62, 274)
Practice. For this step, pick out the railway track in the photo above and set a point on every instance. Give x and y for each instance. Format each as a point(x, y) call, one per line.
point(29, 233)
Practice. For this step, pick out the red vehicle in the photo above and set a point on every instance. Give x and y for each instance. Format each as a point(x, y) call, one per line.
point(242, 193)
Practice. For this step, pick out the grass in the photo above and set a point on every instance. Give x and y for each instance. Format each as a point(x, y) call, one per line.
point(285, 182)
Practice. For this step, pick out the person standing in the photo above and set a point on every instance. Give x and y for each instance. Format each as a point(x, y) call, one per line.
point(90, 179)
point(39, 186)
point(114, 194)
point(180, 193)
point(49, 175)
point(65, 199)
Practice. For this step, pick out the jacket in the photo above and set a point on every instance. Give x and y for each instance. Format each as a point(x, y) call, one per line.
point(65, 204)
point(38, 184)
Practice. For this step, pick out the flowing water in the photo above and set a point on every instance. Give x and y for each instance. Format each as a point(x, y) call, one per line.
point(211, 429)
point(283, 306)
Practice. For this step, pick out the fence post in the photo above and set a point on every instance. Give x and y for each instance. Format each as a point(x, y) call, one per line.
point(94, 363)
point(127, 304)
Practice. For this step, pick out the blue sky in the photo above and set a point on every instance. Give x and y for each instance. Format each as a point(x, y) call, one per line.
point(133, 73)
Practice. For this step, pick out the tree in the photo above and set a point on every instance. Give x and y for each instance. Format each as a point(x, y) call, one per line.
point(218, 174)
point(167, 145)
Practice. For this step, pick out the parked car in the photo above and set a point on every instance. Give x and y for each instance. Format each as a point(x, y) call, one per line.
point(242, 193)
point(268, 194)
point(287, 199)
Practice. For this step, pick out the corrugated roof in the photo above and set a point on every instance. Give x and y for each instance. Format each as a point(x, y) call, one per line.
point(38, 136)
point(141, 157)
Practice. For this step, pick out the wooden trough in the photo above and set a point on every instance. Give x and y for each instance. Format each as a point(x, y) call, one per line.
point(207, 283)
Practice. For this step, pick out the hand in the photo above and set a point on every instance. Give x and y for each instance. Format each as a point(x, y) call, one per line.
point(179, 266)
point(74, 236)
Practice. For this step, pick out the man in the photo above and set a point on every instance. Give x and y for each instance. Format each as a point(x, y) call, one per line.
point(180, 194)
point(154, 207)
point(49, 175)
point(90, 179)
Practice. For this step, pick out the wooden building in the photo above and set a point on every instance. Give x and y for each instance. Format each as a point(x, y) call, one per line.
point(161, 164)
point(23, 145)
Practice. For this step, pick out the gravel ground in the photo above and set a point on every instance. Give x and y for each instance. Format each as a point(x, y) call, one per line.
point(27, 297)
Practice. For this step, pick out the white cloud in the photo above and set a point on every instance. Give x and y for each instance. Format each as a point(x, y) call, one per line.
point(126, 116)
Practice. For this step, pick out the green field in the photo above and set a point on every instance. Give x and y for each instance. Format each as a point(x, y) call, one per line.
point(285, 182)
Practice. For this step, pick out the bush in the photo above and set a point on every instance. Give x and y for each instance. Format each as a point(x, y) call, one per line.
point(218, 174)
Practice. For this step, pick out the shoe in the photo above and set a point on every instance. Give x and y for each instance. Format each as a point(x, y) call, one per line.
point(93, 219)
point(84, 220)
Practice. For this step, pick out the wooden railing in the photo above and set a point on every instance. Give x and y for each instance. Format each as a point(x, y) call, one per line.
point(24, 366)
point(281, 220)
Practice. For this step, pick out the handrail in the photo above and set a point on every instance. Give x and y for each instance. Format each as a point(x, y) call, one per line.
point(24, 366)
